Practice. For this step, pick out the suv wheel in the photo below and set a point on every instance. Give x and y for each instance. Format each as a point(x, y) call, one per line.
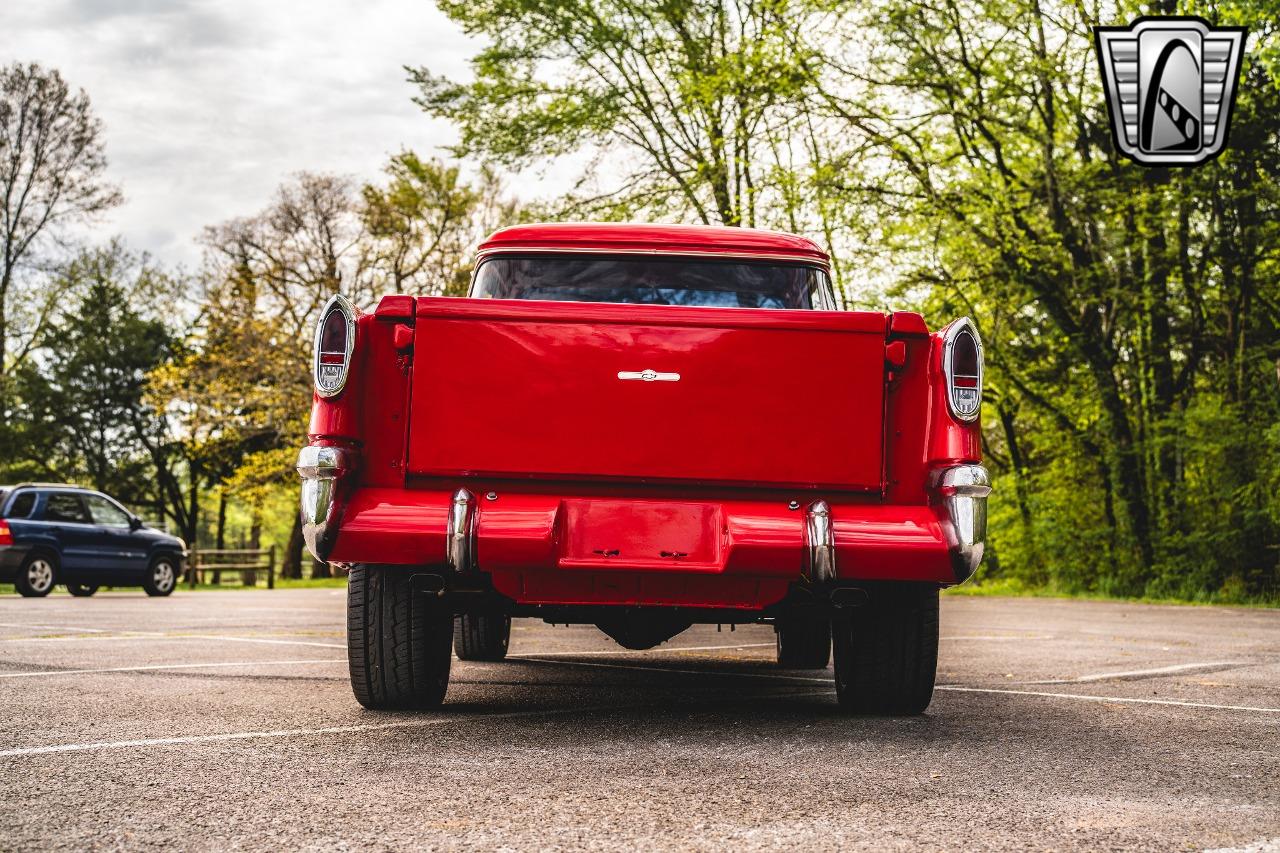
point(82, 590)
point(804, 641)
point(481, 636)
point(886, 651)
point(37, 576)
point(161, 578)
point(398, 640)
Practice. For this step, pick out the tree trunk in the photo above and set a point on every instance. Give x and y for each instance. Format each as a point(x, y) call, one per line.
point(1018, 464)
point(255, 542)
point(220, 536)
point(291, 565)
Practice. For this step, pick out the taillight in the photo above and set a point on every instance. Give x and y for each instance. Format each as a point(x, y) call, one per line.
point(6, 536)
point(335, 339)
point(962, 366)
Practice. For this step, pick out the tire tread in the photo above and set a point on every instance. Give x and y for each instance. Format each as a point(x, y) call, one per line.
point(481, 636)
point(397, 641)
point(886, 652)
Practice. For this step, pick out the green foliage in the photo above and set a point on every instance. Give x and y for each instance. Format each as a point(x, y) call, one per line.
point(421, 225)
point(701, 105)
point(1131, 315)
point(78, 408)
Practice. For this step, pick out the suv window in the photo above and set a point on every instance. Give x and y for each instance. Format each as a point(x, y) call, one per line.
point(64, 507)
point(656, 281)
point(23, 503)
point(106, 513)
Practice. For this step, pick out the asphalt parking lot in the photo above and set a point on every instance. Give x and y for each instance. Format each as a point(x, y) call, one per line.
point(225, 721)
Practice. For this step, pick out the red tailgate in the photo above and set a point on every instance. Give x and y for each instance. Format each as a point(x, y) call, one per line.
point(532, 389)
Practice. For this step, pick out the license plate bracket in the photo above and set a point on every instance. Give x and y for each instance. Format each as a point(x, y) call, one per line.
point(631, 534)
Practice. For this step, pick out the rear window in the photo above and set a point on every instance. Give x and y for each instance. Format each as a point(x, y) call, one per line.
point(655, 281)
point(21, 506)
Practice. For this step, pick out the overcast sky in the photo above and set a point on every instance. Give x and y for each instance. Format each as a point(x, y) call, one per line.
point(209, 104)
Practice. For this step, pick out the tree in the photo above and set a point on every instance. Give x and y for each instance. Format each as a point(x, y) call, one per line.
point(701, 104)
point(1131, 314)
point(79, 412)
point(423, 223)
point(51, 178)
point(284, 262)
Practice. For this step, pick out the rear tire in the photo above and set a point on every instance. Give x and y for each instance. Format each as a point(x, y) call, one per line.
point(37, 576)
point(161, 577)
point(886, 651)
point(481, 636)
point(82, 590)
point(398, 640)
point(804, 641)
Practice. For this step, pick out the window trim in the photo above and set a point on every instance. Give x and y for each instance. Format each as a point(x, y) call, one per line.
point(513, 253)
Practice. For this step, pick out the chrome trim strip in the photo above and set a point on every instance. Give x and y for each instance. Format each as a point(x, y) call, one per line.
point(460, 537)
point(820, 543)
point(348, 310)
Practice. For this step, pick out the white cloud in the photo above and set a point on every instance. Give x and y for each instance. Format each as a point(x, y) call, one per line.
point(209, 104)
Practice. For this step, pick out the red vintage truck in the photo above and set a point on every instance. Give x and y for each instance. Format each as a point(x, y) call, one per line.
point(644, 427)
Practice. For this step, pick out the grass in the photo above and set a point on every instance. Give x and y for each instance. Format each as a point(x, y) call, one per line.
point(236, 586)
point(997, 587)
point(281, 583)
point(1013, 588)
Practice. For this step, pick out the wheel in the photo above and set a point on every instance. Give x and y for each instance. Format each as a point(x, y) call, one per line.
point(398, 640)
point(161, 578)
point(804, 641)
point(886, 651)
point(481, 636)
point(82, 590)
point(37, 576)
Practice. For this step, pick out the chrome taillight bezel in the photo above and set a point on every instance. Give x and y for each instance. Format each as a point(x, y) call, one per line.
point(965, 403)
point(333, 386)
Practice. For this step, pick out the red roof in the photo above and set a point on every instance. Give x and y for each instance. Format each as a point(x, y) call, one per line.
point(628, 237)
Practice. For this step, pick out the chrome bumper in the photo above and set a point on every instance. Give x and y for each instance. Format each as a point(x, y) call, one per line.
point(322, 470)
point(962, 491)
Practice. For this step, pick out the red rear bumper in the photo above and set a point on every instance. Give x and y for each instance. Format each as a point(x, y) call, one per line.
point(567, 549)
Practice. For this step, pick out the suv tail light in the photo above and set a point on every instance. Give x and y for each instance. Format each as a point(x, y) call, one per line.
point(6, 536)
point(335, 339)
point(962, 366)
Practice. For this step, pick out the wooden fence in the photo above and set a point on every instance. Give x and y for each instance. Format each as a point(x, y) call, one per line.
point(249, 562)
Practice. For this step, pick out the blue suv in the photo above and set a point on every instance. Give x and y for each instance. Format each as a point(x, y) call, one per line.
point(51, 534)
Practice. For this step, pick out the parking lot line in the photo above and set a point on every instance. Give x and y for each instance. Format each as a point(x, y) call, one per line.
point(1084, 697)
point(1140, 673)
point(72, 628)
point(139, 636)
point(421, 722)
point(148, 668)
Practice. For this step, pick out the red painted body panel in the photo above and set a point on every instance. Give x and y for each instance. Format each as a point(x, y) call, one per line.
point(539, 547)
point(764, 397)
point(607, 237)
point(610, 492)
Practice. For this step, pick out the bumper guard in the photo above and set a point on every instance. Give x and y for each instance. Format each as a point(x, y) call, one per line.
point(322, 470)
point(963, 491)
